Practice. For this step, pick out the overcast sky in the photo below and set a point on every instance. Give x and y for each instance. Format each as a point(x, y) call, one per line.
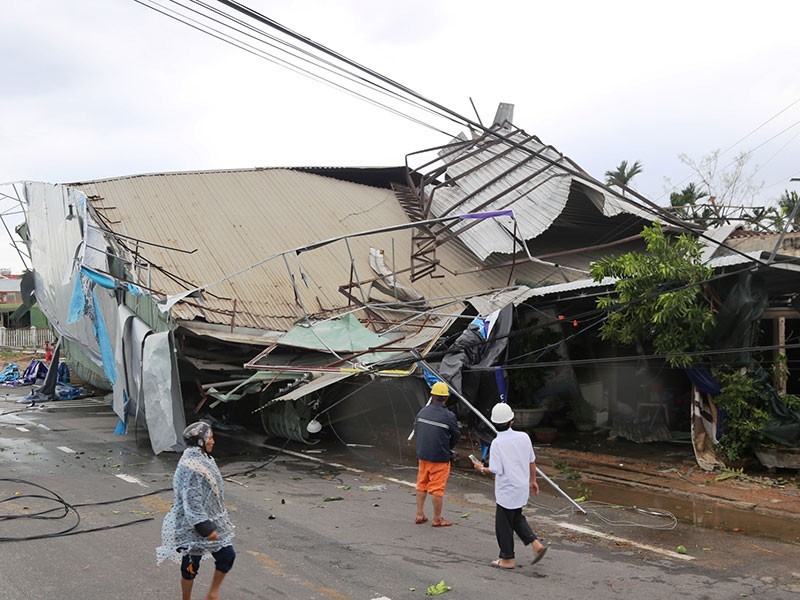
point(104, 88)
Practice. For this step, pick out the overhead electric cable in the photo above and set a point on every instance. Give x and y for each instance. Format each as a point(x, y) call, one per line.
point(778, 151)
point(331, 67)
point(462, 120)
point(773, 117)
point(278, 61)
point(643, 204)
point(255, 15)
point(638, 357)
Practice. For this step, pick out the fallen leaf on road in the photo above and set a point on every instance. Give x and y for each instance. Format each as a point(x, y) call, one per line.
point(439, 588)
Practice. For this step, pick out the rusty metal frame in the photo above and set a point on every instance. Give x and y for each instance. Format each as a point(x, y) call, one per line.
point(426, 239)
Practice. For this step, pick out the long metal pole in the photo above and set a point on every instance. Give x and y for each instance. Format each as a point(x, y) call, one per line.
point(492, 427)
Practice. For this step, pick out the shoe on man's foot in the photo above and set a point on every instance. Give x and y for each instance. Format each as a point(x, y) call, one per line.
point(539, 555)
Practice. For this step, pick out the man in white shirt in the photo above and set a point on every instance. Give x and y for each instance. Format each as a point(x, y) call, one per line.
point(513, 464)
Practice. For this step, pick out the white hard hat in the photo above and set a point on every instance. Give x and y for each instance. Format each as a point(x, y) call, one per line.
point(502, 413)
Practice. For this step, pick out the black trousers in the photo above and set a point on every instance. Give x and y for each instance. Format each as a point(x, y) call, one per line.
point(507, 522)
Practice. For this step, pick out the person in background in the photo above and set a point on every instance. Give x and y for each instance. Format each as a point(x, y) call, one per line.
point(513, 464)
point(48, 352)
point(198, 523)
point(437, 433)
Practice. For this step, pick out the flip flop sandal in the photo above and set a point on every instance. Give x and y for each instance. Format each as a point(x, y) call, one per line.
point(419, 521)
point(441, 523)
point(539, 555)
point(496, 564)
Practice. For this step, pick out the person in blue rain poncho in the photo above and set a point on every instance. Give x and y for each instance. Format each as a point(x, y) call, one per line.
point(198, 525)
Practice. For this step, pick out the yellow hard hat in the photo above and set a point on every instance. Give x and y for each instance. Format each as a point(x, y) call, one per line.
point(440, 389)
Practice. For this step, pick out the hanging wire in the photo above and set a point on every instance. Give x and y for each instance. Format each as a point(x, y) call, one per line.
point(639, 202)
point(215, 33)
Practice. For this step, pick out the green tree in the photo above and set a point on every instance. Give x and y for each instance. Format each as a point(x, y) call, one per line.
point(688, 195)
point(745, 400)
point(786, 204)
point(658, 296)
point(729, 188)
point(684, 205)
point(622, 174)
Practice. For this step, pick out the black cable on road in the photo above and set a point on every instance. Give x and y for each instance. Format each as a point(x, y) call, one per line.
point(64, 508)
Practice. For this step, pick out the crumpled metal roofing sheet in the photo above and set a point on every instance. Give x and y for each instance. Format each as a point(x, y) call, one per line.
point(585, 284)
point(536, 203)
point(318, 382)
point(237, 218)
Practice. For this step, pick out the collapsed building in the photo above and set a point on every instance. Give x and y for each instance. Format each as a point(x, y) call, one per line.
point(278, 288)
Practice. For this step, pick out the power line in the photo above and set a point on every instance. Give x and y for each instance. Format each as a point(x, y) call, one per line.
point(452, 115)
point(781, 149)
point(776, 115)
point(795, 124)
point(249, 48)
point(729, 148)
point(639, 357)
point(255, 15)
point(333, 66)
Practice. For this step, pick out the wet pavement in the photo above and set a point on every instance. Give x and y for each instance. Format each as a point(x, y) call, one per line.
point(665, 476)
point(296, 544)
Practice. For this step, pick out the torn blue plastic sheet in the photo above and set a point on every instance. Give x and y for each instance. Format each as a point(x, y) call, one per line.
point(135, 290)
point(106, 351)
point(102, 280)
point(122, 426)
point(430, 378)
point(78, 304)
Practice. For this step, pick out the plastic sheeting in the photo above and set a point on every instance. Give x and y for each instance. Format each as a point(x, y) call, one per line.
point(472, 350)
point(161, 391)
point(119, 350)
point(56, 224)
point(147, 383)
point(738, 319)
point(341, 335)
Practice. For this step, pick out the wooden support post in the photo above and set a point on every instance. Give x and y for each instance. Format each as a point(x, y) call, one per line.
point(781, 372)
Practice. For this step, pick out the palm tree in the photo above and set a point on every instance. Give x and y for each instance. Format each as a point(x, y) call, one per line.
point(684, 206)
point(688, 195)
point(622, 174)
point(786, 205)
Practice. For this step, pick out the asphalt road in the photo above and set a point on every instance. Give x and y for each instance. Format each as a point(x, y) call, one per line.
point(295, 541)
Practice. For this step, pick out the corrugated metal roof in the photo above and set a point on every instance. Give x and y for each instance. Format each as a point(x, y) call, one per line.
point(229, 220)
point(494, 175)
point(713, 238)
point(768, 242)
point(585, 284)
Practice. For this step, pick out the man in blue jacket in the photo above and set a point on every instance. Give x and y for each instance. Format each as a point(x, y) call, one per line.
point(437, 433)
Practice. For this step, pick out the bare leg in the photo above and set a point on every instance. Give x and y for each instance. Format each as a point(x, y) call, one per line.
point(421, 506)
point(213, 593)
point(538, 551)
point(438, 503)
point(186, 588)
point(537, 547)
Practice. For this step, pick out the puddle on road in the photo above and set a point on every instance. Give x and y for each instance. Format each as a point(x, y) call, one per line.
point(700, 513)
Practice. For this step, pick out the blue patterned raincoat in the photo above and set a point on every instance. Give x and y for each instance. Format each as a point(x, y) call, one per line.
point(199, 497)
